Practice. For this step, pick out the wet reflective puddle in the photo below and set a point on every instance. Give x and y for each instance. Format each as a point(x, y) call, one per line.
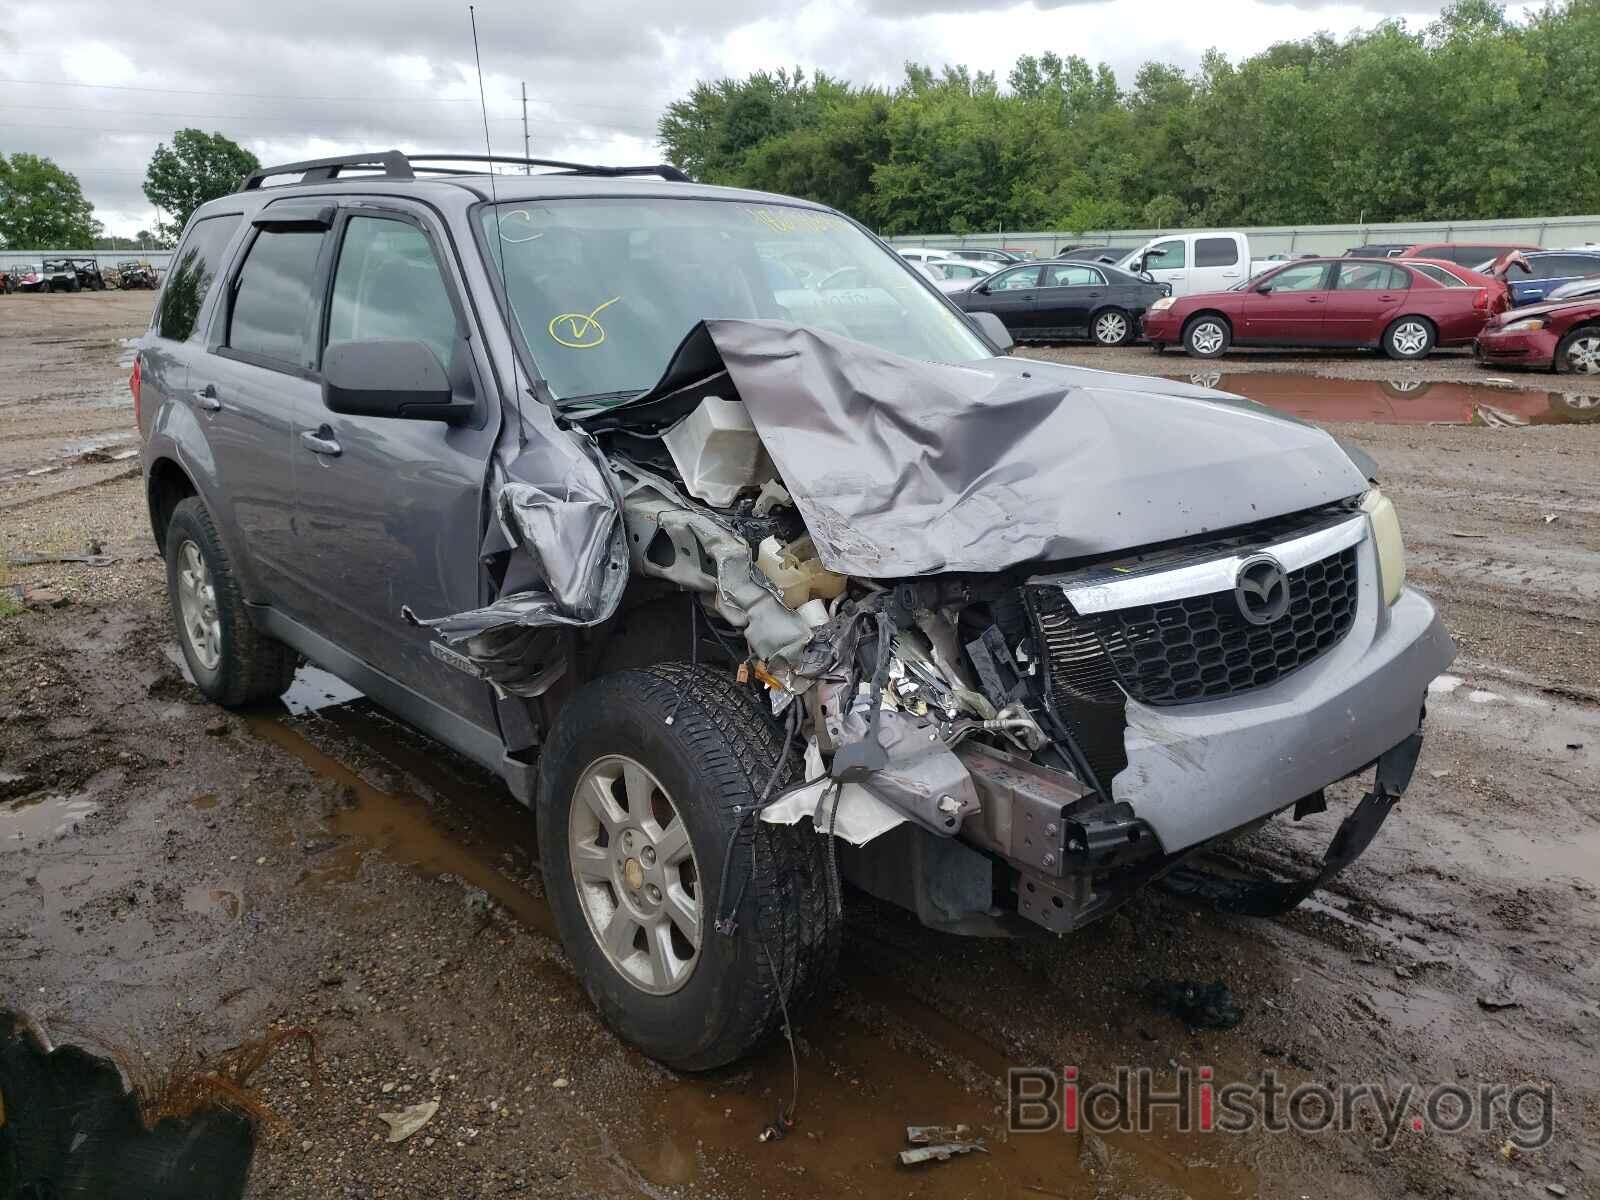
point(870, 1064)
point(35, 820)
point(1402, 401)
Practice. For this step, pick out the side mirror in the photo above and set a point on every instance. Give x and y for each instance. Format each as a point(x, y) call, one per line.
point(399, 379)
point(994, 331)
point(982, 289)
point(1264, 289)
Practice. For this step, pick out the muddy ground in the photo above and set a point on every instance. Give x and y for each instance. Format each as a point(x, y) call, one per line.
point(174, 875)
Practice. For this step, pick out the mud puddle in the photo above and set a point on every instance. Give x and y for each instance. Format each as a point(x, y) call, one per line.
point(34, 820)
point(885, 1061)
point(1402, 401)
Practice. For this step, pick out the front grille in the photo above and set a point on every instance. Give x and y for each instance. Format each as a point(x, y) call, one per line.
point(1196, 648)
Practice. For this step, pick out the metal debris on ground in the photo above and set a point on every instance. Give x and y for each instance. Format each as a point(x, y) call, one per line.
point(939, 1143)
point(27, 559)
point(1201, 1005)
point(407, 1121)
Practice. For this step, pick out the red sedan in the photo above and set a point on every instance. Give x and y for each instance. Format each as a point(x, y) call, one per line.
point(1405, 307)
point(1558, 337)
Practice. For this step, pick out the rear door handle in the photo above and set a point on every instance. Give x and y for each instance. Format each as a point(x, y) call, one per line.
point(206, 398)
point(321, 442)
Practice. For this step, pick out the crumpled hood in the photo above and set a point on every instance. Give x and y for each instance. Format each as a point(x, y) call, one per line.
point(904, 468)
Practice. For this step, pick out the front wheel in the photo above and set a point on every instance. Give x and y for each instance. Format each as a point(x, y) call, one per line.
point(1579, 352)
point(1113, 327)
point(636, 819)
point(1207, 337)
point(1409, 338)
point(232, 661)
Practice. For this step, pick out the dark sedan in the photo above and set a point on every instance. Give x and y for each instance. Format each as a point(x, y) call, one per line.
point(1053, 300)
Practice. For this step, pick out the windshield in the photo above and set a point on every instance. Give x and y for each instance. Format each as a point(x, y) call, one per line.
point(604, 290)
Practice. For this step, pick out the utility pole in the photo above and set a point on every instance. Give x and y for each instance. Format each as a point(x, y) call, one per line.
point(527, 168)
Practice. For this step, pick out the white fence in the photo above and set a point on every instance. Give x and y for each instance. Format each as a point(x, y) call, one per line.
point(107, 258)
point(1550, 232)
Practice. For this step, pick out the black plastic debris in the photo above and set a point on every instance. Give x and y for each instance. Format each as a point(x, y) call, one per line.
point(1199, 1005)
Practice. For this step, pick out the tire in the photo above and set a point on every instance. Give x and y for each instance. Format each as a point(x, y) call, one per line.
point(1579, 352)
point(707, 767)
point(1409, 339)
point(1111, 327)
point(74, 286)
point(236, 665)
point(1207, 336)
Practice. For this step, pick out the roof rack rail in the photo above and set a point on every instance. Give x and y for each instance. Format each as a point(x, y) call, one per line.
point(396, 165)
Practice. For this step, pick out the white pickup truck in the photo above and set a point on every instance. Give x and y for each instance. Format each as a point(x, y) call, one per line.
point(1195, 262)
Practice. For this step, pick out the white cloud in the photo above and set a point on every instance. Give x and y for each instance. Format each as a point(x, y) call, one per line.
point(295, 78)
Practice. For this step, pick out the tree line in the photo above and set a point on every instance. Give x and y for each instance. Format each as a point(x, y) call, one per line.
point(1475, 116)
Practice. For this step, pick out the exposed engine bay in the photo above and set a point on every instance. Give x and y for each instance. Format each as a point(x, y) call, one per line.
point(888, 581)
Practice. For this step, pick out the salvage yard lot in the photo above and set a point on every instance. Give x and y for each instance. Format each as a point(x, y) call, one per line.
point(171, 874)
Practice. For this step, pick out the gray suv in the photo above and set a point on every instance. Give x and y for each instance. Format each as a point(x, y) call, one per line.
point(752, 565)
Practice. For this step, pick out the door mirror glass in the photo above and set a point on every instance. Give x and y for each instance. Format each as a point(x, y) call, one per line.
point(384, 378)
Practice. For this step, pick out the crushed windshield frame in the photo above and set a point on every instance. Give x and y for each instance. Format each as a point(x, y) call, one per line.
point(591, 402)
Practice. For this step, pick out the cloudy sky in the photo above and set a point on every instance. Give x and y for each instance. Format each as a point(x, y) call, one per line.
point(96, 84)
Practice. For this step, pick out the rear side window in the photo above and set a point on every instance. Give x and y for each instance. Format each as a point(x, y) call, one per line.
point(388, 285)
point(275, 296)
point(1074, 277)
point(1439, 275)
point(1371, 277)
point(1565, 266)
point(189, 278)
point(1215, 252)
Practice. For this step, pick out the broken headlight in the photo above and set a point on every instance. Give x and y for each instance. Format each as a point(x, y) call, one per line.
point(1385, 524)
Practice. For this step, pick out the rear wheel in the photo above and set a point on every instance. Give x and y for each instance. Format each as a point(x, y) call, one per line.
point(1113, 327)
point(635, 819)
point(1207, 336)
point(1409, 338)
point(232, 662)
point(1579, 352)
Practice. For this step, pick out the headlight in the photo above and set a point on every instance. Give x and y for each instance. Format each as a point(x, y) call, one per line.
point(1162, 304)
point(1386, 537)
point(1526, 325)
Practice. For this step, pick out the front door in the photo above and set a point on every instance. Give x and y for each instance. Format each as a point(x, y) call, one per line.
point(1286, 308)
point(1013, 296)
point(389, 512)
point(1168, 262)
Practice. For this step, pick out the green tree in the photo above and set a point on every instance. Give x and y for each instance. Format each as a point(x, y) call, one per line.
point(42, 207)
point(197, 167)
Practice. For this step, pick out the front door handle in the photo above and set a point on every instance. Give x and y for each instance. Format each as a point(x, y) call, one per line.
point(1313, 299)
point(1388, 299)
point(321, 442)
point(206, 398)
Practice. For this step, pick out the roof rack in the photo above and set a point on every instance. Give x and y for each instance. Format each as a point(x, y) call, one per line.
point(396, 165)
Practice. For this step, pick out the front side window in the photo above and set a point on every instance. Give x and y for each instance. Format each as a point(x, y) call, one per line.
point(1165, 255)
point(604, 289)
point(275, 296)
point(1215, 252)
point(1307, 278)
point(1019, 280)
point(189, 278)
point(388, 285)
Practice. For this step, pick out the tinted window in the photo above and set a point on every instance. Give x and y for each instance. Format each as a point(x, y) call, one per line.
point(1074, 277)
point(190, 275)
point(1371, 277)
point(275, 295)
point(1215, 252)
point(1564, 266)
point(1018, 280)
point(1165, 255)
point(1307, 278)
point(388, 285)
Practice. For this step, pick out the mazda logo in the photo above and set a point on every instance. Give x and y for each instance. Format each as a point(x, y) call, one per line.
point(1262, 590)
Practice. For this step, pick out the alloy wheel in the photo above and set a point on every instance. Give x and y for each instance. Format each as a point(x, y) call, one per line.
point(1583, 355)
point(197, 603)
point(636, 874)
point(1410, 339)
point(1110, 328)
point(1207, 338)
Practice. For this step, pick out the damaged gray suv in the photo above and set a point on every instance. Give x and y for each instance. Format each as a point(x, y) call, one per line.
point(753, 566)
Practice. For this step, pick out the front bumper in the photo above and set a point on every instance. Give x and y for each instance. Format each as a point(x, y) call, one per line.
point(1160, 327)
point(1199, 770)
point(1536, 348)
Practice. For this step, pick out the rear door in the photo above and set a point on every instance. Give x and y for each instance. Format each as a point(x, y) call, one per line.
point(1288, 307)
point(1550, 271)
point(389, 512)
point(258, 365)
point(1073, 291)
point(1366, 296)
point(1218, 263)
